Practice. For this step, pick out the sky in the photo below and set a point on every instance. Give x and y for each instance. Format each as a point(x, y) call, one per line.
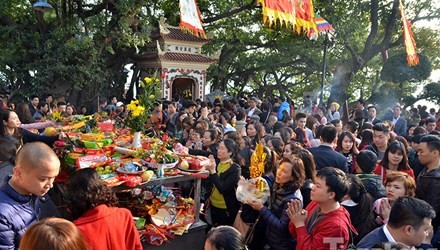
point(435, 75)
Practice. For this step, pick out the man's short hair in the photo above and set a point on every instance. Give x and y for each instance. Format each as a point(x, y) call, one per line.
point(353, 126)
point(410, 211)
point(381, 127)
point(32, 154)
point(329, 133)
point(41, 104)
point(335, 121)
point(300, 115)
point(264, 106)
point(432, 141)
point(361, 102)
point(282, 98)
point(430, 120)
point(367, 161)
point(189, 104)
point(272, 118)
point(335, 180)
point(102, 100)
point(254, 99)
point(372, 107)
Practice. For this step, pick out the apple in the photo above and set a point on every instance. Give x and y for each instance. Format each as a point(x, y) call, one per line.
point(50, 131)
point(194, 164)
point(184, 165)
point(146, 176)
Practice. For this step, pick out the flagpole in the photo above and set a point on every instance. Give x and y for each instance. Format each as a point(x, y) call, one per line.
point(324, 65)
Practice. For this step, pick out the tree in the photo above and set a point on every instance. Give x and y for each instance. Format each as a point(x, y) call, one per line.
point(366, 40)
point(79, 49)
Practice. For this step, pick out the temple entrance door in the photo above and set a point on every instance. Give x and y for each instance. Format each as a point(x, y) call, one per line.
point(183, 88)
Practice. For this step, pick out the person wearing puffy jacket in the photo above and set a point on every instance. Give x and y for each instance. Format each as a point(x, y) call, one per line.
point(284, 106)
point(35, 169)
point(289, 178)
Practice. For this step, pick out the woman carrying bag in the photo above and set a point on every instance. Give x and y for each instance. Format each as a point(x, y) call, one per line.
point(224, 176)
point(289, 179)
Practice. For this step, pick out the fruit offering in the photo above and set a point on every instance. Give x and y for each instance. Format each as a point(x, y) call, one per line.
point(253, 189)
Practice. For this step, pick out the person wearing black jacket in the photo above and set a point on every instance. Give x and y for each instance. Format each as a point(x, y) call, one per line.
point(289, 178)
point(10, 125)
point(224, 176)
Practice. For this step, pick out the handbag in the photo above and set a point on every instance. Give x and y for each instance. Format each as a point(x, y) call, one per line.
point(240, 225)
point(207, 211)
point(246, 229)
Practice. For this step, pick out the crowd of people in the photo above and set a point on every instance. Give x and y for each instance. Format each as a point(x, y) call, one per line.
point(362, 182)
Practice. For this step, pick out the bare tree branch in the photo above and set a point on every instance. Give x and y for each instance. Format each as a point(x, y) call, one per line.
point(231, 12)
point(374, 17)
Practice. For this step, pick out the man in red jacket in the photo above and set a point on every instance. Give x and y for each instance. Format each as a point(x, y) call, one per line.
point(324, 224)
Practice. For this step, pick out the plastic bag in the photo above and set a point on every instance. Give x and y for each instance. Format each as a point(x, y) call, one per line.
point(253, 189)
point(130, 180)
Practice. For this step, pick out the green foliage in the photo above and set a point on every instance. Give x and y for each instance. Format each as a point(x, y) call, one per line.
point(396, 69)
point(431, 92)
point(69, 51)
point(79, 50)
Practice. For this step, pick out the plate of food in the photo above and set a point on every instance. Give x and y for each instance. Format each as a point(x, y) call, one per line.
point(161, 218)
point(191, 170)
point(194, 163)
point(131, 168)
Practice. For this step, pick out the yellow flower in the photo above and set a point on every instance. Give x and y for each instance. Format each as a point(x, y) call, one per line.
point(152, 97)
point(142, 84)
point(132, 105)
point(148, 80)
point(156, 80)
point(138, 111)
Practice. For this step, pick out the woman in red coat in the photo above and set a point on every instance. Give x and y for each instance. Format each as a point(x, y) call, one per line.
point(103, 225)
point(395, 159)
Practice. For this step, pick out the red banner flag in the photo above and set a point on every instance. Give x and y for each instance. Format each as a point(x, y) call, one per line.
point(297, 15)
point(408, 38)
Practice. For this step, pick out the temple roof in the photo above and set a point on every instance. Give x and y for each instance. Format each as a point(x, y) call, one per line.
point(175, 33)
point(180, 57)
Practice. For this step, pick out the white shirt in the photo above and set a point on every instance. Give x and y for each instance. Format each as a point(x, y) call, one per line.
point(251, 112)
point(388, 234)
point(395, 119)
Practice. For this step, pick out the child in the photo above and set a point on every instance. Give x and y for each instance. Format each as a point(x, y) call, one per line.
point(366, 163)
point(195, 138)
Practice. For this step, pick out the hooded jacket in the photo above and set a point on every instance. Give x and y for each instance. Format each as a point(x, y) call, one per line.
point(106, 227)
point(331, 228)
point(373, 184)
point(283, 106)
point(428, 186)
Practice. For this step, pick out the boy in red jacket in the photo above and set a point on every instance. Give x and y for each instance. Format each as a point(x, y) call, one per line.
point(324, 224)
